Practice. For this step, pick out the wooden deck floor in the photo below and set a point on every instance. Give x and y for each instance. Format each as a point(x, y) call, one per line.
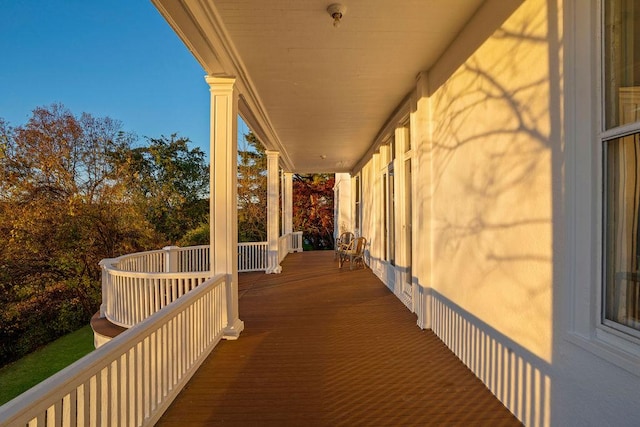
point(330, 347)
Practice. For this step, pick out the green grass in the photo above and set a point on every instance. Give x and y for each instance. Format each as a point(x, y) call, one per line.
point(23, 374)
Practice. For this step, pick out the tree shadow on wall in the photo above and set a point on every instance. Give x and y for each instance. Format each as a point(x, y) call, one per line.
point(495, 195)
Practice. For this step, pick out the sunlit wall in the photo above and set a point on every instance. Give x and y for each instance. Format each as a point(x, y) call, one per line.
point(490, 182)
point(483, 198)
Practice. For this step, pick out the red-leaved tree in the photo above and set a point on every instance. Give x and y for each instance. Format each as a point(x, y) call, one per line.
point(313, 209)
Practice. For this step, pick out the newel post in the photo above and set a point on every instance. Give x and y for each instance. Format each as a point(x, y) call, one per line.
point(171, 259)
point(105, 284)
point(287, 211)
point(297, 239)
point(224, 193)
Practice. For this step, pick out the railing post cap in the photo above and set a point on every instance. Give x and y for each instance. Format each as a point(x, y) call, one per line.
point(105, 261)
point(168, 248)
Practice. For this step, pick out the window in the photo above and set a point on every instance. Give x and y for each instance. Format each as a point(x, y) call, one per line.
point(405, 132)
point(357, 197)
point(388, 201)
point(621, 154)
point(391, 217)
point(407, 140)
point(392, 148)
point(407, 220)
point(385, 223)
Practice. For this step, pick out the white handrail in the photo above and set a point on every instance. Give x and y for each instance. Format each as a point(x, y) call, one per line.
point(132, 379)
point(134, 286)
point(145, 262)
point(131, 297)
point(176, 315)
point(169, 259)
point(137, 285)
point(252, 256)
point(193, 258)
point(296, 242)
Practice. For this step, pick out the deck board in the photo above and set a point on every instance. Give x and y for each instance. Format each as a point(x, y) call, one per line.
point(324, 346)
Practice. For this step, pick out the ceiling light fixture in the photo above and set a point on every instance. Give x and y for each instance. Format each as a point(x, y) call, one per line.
point(336, 10)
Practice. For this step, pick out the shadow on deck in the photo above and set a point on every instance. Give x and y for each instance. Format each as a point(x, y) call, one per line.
point(327, 347)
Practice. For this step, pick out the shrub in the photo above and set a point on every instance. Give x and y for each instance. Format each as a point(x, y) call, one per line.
point(31, 323)
point(196, 236)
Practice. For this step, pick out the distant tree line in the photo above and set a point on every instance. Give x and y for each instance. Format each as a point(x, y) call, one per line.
point(313, 209)
point(312, 199)
point(75, 190)
point(78, 189)
point(252, 190)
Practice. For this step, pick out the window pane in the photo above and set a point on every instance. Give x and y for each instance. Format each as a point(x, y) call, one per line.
point(407, 219)
point(621, 62)
point(384, 216)
point(357, 189)
point(391, 208)
point(407, 145)
point(392, 148)
point(622, 205)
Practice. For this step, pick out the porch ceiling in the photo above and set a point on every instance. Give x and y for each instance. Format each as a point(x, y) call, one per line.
point(322, 95)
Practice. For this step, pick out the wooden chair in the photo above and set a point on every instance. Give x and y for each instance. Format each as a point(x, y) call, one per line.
point(343, 243)
point(354, 253)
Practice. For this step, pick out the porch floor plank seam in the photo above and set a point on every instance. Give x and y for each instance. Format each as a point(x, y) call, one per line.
point(324, 346)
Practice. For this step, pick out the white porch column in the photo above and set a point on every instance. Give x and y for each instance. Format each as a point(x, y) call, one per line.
point(287, 212)
point(423, 225)
point(223, 199)
point(342, 204)
point(272, 211)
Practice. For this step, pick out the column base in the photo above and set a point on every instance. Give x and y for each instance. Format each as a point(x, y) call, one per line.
point(274, 270)
point(232, 332)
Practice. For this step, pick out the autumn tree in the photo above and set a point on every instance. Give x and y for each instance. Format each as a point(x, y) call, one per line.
point(75, 190)
point(63, 208)
point(167, 181)
point(313, 209)
point(312, 200)
point(252, 191)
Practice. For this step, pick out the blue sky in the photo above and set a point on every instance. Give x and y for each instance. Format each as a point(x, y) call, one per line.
point(117, 58)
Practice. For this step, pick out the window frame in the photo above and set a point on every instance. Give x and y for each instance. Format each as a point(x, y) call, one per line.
point(390, 199)
point(607, 329)
point(405, 195)
point(579, 282)
point(357, 189)
point(608, 325)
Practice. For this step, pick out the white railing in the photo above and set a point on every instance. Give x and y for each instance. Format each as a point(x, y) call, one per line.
point(142, 262)
point(177, 315)
point(168, 259)
point(136, 286)
point(192, 259)
point(132, 379)
point(253, 256)
point(132, 297)
point(296, 242)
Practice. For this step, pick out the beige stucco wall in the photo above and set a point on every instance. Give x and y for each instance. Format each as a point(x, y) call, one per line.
point(491, 182)
point(487, 185)
point(506, 220)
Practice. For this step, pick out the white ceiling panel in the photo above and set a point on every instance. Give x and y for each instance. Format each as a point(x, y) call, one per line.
point(325, 91)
